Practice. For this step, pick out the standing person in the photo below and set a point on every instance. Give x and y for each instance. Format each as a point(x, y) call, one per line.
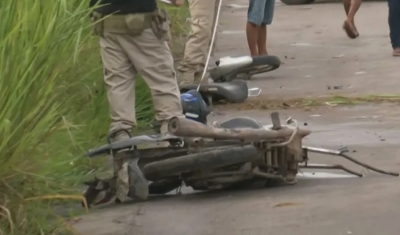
point(202, 17)
point(133, 38)
point(394, 25)
point(351, 7)
point(133, 42)
point(259, 15)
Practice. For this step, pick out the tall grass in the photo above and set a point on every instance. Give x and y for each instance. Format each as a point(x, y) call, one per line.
point(53, 107)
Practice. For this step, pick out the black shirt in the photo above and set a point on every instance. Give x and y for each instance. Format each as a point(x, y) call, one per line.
point(124, 6)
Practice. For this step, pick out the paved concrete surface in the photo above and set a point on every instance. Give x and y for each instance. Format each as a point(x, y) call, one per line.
point(316, 51)
point(310, 37)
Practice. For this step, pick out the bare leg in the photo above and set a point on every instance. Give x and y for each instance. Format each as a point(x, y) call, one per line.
point(347, 4)
point(351, 7)
point(251, 31)
point(355, 5)
point(262, 40)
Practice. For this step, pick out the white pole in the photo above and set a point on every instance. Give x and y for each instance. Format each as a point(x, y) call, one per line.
point(211, 44)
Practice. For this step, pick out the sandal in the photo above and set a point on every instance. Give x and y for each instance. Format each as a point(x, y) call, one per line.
point(350, 29)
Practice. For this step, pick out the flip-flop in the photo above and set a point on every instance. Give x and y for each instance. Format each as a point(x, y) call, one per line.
point(350, 30)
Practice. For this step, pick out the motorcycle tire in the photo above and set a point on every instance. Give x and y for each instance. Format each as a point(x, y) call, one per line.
point(266, 60)
point(270, 62)
point(199, 161)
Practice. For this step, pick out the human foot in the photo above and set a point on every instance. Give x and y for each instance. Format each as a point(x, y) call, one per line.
point(350, 29)
point(396, 52)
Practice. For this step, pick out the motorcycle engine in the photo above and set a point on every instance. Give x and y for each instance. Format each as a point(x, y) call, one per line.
point(194, 107)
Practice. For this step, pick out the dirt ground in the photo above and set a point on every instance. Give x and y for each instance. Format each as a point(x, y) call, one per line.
point(318, 55)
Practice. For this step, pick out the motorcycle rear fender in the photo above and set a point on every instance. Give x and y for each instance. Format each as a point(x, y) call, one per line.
point(227, 65)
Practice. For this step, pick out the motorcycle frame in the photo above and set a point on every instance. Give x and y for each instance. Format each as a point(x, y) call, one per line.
point(184, 127)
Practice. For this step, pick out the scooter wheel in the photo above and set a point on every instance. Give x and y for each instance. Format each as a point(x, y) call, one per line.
point(270, 62)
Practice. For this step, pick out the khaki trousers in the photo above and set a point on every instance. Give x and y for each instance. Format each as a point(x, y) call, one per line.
point(123, 57)
point(202, 20)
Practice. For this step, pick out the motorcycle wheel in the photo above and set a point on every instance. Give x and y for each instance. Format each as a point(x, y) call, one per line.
point(198, 161)
point(209, 158)
point(266, 60)
point(265, 63)
point(269, 63)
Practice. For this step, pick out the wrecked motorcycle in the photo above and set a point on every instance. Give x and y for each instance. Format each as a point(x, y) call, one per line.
point(235, 152)
point(227, 78)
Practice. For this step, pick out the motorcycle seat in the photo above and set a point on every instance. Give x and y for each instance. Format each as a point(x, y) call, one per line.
point(233, 92)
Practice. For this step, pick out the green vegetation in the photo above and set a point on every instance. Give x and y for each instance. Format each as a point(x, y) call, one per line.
point(53, 108)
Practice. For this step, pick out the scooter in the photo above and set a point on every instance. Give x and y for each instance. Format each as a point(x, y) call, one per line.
point(228, 77)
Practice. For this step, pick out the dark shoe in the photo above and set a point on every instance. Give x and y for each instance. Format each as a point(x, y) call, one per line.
point(119, 135)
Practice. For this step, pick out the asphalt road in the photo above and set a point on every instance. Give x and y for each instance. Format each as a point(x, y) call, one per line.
point(318, 55)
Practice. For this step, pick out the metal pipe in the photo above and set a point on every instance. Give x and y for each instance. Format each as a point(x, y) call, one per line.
point(323, 151)
point(368, 166)
point(341, 153)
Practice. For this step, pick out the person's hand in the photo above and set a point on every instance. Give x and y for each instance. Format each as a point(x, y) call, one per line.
point(177, 2)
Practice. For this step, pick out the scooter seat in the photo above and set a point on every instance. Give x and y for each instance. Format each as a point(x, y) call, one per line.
point(233, 92)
